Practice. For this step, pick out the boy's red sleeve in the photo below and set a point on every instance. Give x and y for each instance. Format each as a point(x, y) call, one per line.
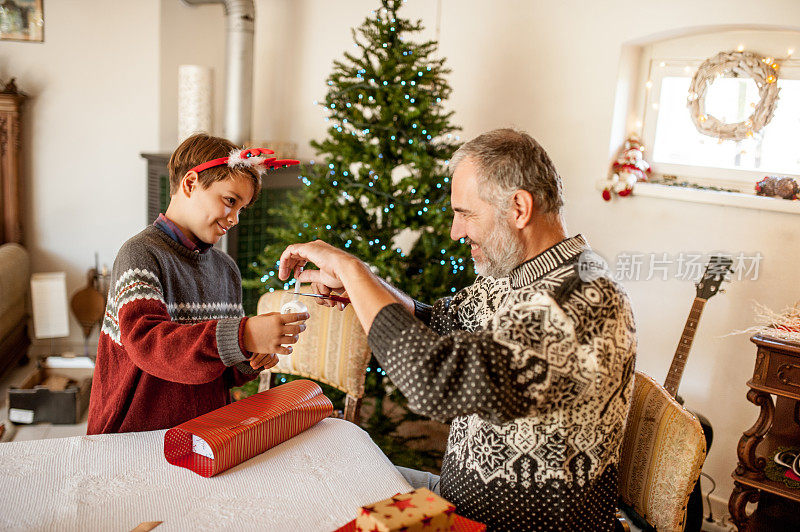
point(178, 352)
point(137, 318)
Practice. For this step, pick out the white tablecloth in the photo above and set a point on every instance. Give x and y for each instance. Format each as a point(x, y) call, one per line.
point(315, 481)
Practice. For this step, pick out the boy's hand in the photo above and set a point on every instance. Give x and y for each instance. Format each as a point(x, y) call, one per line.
point(262, 361)
point(266, 334)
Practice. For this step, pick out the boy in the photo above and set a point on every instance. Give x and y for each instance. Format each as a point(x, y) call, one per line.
point(174, 336)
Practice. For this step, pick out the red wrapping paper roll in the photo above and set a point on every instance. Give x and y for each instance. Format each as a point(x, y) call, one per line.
point(241, 430)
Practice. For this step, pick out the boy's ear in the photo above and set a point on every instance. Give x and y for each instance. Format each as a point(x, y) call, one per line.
point(189, 183)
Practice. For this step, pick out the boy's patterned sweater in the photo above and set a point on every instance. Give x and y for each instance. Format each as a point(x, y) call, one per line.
point(535, 372)
point(170, 344)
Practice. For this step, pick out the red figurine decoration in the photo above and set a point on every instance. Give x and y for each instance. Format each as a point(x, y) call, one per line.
point(628, 168)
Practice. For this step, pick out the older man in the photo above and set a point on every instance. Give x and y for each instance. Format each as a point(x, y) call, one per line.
point(532, 363)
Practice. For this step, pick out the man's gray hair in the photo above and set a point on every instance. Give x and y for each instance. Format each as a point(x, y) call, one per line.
point(508, 160)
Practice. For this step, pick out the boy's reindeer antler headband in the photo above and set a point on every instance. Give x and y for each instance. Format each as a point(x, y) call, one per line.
point(250, 158)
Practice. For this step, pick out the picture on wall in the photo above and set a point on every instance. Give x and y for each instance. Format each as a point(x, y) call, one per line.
point(21, 20)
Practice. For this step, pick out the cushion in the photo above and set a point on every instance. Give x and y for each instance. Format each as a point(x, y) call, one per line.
point(11, 317)
point(15, 275)
point(663, 451)
point(333, 349)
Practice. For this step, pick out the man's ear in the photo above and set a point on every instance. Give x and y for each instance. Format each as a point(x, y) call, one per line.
point(189, 183)
point(522, 206)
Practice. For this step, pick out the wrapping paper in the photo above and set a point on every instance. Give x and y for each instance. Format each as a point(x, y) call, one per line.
point(226, 437)
point(460, 524)
point(415, 511)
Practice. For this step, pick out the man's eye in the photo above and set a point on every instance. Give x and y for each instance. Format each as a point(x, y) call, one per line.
point(231, 201)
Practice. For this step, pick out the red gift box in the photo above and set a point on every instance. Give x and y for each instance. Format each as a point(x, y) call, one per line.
point(460, 524)
point(227, 436)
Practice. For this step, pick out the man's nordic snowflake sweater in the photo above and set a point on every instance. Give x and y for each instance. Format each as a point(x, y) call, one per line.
point(535, 372)
point(171, 342)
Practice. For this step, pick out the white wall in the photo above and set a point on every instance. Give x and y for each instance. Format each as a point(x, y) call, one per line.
point(189, 36)
point(93, 107)
point(547, 67)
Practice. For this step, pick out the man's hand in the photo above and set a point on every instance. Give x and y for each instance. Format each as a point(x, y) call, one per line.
point(319, 288)
point(327, 258)
point(340, 272)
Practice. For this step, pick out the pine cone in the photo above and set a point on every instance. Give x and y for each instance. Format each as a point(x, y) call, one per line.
point(786, 188)
point(778, 187)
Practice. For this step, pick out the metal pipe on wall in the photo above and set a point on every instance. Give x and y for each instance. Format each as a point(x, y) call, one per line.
point(240, 23)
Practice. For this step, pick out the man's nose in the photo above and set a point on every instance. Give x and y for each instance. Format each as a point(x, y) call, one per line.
point(457, 230)
point(233, 218)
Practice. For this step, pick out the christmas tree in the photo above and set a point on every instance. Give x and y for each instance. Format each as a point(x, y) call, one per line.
point(378, 187)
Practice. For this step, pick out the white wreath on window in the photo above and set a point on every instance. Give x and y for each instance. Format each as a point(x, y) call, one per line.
point(763, 70)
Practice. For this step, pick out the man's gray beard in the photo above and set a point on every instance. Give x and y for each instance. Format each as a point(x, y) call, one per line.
point(502, 250)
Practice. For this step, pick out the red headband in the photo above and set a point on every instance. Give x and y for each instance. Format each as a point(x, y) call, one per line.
point(250, 158)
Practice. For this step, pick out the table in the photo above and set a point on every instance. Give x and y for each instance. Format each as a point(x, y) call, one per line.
point(777, 372)
point(315, 481)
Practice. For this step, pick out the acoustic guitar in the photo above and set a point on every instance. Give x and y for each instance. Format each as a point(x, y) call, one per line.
point(717, 271)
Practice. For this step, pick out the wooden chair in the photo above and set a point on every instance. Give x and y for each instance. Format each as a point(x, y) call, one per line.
point(663, 451)
point(333, 350)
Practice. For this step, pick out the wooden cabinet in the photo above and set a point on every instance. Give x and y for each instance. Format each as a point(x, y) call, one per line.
point(776, 374)
point(10, 178)
point(14, 339)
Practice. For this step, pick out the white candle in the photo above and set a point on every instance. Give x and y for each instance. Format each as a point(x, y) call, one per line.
point(194, 100)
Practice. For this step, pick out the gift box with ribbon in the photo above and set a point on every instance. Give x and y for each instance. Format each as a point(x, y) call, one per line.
point(226, 437)
point(420, 510)
point(460, 524)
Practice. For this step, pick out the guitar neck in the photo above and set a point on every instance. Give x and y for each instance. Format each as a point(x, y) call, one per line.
point(675, 372)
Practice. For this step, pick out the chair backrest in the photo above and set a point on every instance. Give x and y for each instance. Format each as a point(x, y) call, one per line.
point(663, 451)
point(332, 350)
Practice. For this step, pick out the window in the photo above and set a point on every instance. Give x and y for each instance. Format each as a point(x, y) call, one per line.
point(675, 147)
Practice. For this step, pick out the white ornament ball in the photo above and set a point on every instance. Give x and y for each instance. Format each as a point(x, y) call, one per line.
point(293, 306)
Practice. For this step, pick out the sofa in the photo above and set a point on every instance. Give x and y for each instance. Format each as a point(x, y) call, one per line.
point(15, 274)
